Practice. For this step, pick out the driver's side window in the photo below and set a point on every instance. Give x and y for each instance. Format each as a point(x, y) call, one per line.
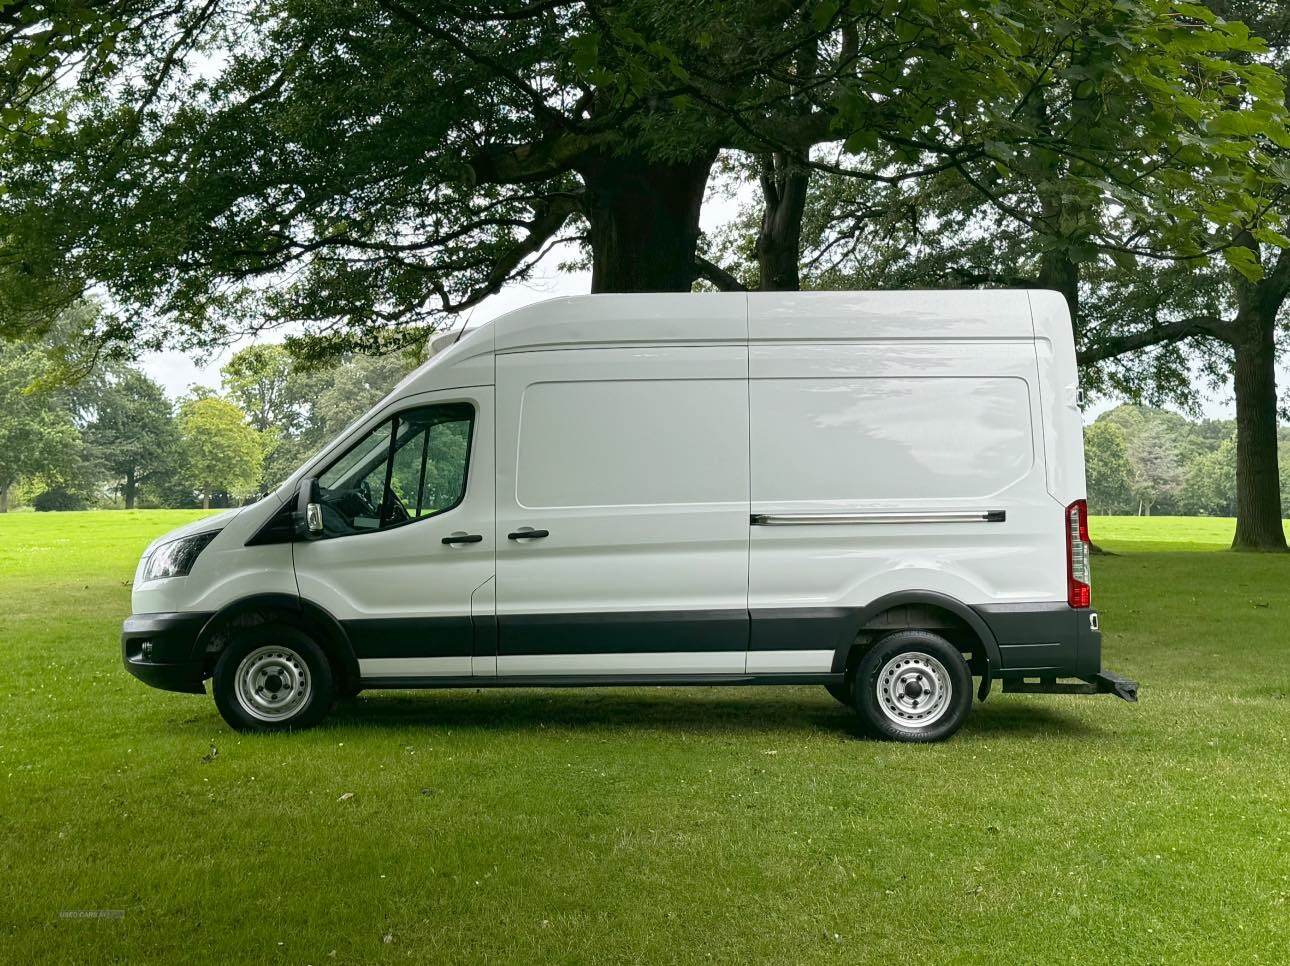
point(410, 467)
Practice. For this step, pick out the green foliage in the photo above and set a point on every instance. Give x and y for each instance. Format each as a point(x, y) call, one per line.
point(37, 435)
point(259, 378)
point(1108, 472)
point(1150, 461)
point(298, 409)
point(1210, 485)
point(222, 452)
point(57, 499)
point(132, 431)
point(386, 164)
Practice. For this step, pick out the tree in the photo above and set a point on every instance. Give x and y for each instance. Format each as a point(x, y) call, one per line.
point(1107, 468)
point(222, 452)
point(278, 397)
point(1236, 309)
point(298, 408)
point(1209, 487)
point(259, 379)
point(132, 432)
point(36, 438)
point(1157, 472)
point(383, 163)
point(1285, 475)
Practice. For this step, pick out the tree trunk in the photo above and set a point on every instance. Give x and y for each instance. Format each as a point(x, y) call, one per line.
point(644, 219)
point(206, 500)
point(4, 499)
point(784, 181)
point(1258, 484)
point(131, 488)
point(1057, 271)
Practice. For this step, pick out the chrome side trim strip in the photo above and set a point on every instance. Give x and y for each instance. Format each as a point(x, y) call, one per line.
point(878, 516)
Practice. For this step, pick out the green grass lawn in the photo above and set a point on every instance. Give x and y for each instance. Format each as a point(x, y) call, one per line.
point(1164, 533)
point(669, 825)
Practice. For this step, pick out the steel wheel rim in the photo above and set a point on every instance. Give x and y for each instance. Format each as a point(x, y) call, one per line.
point(914, 690)
point(273, 683)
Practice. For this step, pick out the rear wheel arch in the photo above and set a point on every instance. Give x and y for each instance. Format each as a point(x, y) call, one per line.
point(921, 610)
point(296, 612)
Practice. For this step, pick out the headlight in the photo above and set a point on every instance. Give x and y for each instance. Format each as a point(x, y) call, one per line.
point(176, 558)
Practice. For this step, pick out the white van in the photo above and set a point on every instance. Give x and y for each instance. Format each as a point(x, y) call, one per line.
point(877, 492)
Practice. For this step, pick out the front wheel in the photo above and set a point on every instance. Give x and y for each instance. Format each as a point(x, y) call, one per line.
point(913, 686)
point(273, 678)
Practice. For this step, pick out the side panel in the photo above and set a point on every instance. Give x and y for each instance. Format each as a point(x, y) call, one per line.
point(894, 467)
point(635, 462)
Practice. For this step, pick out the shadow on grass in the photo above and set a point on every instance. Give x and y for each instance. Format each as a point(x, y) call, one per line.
point(708, 711)
point(1004, 718)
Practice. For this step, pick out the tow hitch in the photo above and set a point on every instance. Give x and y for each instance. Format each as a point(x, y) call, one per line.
point(1104, 682)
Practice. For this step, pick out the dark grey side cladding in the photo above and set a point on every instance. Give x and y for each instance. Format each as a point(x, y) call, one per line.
point(624, 632)
point(411, 637)
point(1047, 639)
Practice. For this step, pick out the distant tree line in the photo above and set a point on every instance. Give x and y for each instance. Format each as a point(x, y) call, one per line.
point(1145, 461)
point(115, 439)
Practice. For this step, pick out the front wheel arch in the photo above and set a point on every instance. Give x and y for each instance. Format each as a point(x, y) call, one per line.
point(297, 612)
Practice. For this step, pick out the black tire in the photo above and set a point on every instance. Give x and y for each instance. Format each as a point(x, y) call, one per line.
point(291, 665)
point(841, 692)
point(934, 665)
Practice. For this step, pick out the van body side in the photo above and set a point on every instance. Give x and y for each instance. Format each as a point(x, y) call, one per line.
point(725, 488)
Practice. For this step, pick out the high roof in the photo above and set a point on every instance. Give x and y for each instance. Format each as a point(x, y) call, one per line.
point(755, 317)
point(760, 316)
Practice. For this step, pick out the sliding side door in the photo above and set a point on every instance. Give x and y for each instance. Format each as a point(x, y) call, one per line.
point(622, 511)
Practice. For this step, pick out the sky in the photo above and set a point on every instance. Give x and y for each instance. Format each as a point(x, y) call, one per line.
point(177, 371)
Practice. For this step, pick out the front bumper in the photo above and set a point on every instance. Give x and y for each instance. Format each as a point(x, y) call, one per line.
point(161, 650)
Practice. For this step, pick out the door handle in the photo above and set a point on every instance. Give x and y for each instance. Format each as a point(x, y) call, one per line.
point(528, 534)
point(464, 538)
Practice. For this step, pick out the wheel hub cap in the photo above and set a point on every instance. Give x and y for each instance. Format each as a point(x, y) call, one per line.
point(914, 689)
point(273, 683)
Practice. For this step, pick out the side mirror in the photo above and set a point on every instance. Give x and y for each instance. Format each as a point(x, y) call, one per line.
point(309, 518)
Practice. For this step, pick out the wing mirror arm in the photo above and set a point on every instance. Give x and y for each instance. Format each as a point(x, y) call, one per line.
point(309, 518)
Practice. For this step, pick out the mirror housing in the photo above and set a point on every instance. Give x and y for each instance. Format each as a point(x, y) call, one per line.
point(309, 518)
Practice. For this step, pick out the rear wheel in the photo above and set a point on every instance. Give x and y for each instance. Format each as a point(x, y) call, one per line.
point(273, 678)
point(913, 686)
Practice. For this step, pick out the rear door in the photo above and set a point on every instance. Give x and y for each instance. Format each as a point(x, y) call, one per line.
point(622, 511)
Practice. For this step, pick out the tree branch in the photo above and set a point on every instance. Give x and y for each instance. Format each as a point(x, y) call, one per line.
point(453, 39)
point(1201, 325)
point(717, 275)
point(550, 218)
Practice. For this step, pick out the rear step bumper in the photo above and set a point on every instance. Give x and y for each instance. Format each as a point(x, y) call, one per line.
point(1104, 682)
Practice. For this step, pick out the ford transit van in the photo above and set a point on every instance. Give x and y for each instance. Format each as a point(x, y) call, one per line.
point(880, 493)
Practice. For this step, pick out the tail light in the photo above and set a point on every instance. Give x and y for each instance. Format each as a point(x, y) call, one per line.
point(1079, 592)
